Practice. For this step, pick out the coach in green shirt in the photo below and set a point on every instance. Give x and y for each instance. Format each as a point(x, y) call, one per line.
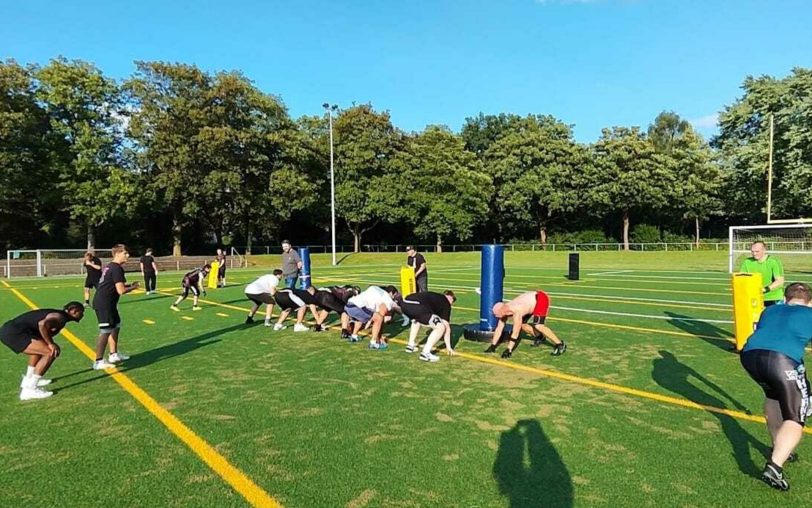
point(771, 270)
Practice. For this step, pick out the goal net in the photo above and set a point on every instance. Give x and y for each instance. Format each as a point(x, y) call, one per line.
point(791, 242)
point(45, 262)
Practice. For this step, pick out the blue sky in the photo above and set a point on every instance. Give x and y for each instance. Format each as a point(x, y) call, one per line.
point(591, 63)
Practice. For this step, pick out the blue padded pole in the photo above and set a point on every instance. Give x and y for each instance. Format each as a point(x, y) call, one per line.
point(493, 273)
point(304, 276)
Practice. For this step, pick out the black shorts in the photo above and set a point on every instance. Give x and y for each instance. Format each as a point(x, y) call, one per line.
point(16, 340)
point(289, 301)
point(332, 303)
point(782, 379)
point(422, 314)
point(221, 271)
point(261, 298)
point(91, 283)
point(108, 317)
point(530, 319)
point(190, 289)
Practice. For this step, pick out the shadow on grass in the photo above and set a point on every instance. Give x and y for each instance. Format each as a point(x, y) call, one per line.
point(676, 377)
point(144, 298)
point(529, 470)
point(712, 334)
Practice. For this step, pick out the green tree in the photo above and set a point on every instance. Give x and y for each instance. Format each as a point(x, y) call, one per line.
point(635, 179)
point(82, 106)
point(365, 144)
point(444, 190)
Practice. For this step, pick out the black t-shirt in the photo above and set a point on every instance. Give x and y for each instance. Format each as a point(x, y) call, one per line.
point(417, 261)
point(107, 294)
point(28, 324)
point(93, 273)
point(193, 278)
point(306, 297)
point(147, 261)
point(437, 303)
point(343, 293)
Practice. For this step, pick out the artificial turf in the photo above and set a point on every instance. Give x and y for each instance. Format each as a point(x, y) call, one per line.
point(315, 421)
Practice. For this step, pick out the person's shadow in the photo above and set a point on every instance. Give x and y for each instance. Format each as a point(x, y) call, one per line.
point(529, 470)
point(676, 377)
point(708, 332)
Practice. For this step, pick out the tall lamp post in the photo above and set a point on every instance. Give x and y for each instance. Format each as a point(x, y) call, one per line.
point(330, 108)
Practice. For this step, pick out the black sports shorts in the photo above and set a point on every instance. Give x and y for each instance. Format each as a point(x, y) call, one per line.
point(533, 320)
point(108, 317)
point(91, 283)
point(16, 340)
point(288, 300)
point(782, 379)
point(330, 302)
point(190, 288)
point(261, 298)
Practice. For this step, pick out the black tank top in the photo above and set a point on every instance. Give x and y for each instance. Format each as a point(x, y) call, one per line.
point(28, 323)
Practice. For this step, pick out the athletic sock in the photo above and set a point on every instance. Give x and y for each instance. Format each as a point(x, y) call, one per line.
point(29, 371)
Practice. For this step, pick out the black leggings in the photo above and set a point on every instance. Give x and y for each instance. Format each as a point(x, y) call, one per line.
point(782, 379)
point(150, 279)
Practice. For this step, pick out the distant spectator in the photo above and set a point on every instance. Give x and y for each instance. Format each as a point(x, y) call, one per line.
point(93, 267)
point(291, 264)
point(221, 268)
point(149, 271)
point(421, 274)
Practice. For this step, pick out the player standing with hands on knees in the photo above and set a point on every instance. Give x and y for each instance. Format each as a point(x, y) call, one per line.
point(112, 285)
point(529, 311)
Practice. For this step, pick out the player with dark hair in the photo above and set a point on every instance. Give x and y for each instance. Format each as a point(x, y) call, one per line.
point(149, 271)
point(372, 307)
point(774, 358)
point(93, 268)
point(221, 268)
point(298, 300)
point(418, 263)
point(528, 311)
point(112, 285)
point(262, 291)
point(193, 282)
point(434, 311)
point(333, 299)
point(33, 333)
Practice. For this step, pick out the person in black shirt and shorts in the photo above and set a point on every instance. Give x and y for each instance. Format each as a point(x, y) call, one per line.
point(221, 268)
point(298, 300)
point(93, 267)
point(149, 271)
point(333, 299)
point(112, 285)
point(421, 273)
point(194, 282)
point(32, 333)
point(432, 310)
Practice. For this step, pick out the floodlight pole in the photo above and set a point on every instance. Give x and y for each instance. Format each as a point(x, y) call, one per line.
point(330, 109)
point(770, 174)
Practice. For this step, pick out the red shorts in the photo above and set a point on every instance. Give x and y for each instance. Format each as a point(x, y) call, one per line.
point(542, 304)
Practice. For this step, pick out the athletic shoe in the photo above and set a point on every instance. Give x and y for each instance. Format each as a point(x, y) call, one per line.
point(383, 346)
point(175, 308)
point(299, 327)
point(197, 308)
point(101, 365)
point(410, 349)
point(34, 393)
point(117, 357)
point(249, 320)
point(268, 323)
point(345, 335)
point(279, 326)
point(491, 349)
point(507, 353)
point(87, 303)
point(373, 345)
point(406, 321)
point(559, 349)
point(355, 338)
point(429, 357)
point(318, 328)
point(41, 382)
point(772, 477)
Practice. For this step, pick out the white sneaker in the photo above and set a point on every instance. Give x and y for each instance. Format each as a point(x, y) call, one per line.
point(101, 365)
point(373, 345)
point(429, 357)
point(40, 383)
point(406, 321)
point(410, 348)
point(175, 308)
point(34, 393)
point(117, 357)
point(279, 326)
point(298, 327)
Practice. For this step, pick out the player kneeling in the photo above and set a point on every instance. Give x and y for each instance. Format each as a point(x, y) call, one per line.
point(193, 282)
point(432, 310)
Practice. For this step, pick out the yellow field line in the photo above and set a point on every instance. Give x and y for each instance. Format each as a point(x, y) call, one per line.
point(219, 464)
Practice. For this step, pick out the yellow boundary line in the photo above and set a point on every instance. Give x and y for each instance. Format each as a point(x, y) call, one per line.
point(252, 493)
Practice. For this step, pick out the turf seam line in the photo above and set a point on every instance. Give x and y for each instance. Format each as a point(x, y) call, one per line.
point(252, 492)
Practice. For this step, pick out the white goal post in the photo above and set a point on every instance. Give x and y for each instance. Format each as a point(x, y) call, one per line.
point(788, 240)
point(43, 262)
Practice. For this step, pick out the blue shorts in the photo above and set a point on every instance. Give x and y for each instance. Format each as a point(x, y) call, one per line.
point(360, 314)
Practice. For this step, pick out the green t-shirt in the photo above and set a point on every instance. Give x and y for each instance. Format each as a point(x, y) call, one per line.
point(770, 269)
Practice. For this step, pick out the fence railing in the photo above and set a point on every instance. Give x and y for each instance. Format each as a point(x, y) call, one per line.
point(532, 247)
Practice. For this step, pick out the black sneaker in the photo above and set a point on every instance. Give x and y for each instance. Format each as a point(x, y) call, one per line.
point(774, 477)
point(318, 328)
point(249, 320)
point(507, 353)
point(559, 349)
point(345, 335)
point(491, 349)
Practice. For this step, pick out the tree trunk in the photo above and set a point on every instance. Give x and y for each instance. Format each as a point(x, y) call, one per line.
point(696, 222)
point(625, 230)
point(356, 236)
point(91, 237)
point(543, 234)
point(439, 243)
point(177, 229)
point(248, 235)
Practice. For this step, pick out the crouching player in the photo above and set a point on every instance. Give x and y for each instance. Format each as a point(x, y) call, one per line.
point(32, 333)
point(372, 307)
point(434, 311)
point(333, 299)
point(298, 300)
point(262, 291)
point(774, 358)
point(529, 311)
point(193, 282)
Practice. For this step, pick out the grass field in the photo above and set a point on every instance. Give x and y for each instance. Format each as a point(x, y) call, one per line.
point(648, 407)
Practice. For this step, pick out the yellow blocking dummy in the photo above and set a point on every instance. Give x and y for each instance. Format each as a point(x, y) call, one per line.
point(407, 283)
point(748, 303)
point(212, 282)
